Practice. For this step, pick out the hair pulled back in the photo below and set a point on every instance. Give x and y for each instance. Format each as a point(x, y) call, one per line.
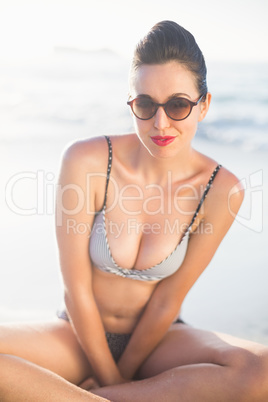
point(168, 41)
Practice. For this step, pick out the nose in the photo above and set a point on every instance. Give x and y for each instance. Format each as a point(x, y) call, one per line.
point(161, 120)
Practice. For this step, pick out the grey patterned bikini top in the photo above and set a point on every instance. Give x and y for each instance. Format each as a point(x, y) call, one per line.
point(100, 253)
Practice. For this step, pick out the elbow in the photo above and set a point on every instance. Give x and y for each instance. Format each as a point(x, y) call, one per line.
point(79, 301)
point(68, 301)
point(66, 298)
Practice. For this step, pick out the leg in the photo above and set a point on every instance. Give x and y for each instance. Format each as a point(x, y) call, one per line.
point(52, 346)
point(24, 381)
point(184, 345)
point(195, 365)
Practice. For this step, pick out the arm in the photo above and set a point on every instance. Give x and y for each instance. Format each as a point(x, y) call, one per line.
point(170, 293)
point(74, 200)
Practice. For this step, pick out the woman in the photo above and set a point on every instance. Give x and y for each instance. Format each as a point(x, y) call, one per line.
point(153, 212)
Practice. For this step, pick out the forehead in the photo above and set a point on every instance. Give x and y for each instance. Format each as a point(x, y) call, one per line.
point(162, 80)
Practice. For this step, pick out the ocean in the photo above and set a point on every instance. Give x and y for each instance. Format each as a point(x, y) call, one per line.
point(71, 93)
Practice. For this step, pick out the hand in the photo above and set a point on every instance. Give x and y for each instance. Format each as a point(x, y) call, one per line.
point(89, 383)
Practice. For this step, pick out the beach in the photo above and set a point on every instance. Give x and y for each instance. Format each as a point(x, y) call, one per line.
point(230, 296)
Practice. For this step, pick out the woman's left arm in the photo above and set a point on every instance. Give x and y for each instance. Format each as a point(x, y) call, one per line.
point(220, 210)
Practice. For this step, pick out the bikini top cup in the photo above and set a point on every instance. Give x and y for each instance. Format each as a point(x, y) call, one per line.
point(101, 255)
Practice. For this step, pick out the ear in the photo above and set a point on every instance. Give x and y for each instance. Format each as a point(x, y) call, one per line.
point(204, 107)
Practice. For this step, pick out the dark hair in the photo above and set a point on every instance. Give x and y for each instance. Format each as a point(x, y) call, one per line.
point(168, 41)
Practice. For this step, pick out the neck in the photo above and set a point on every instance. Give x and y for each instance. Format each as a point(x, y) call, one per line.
point(155, 169)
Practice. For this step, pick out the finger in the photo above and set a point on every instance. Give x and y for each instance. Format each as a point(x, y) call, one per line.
point(88, 384)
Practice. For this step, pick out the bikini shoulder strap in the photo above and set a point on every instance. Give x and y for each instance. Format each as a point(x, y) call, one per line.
point(212, 177)
point(109, 167)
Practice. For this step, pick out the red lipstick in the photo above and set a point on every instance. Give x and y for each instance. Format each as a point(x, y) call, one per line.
point(162, 141)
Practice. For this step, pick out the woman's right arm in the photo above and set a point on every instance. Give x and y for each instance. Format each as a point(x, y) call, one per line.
point(75, 208)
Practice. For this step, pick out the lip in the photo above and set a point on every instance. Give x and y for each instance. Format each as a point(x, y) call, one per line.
point(162, 141)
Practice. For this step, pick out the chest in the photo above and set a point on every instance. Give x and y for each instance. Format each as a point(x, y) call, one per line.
point(144, 225)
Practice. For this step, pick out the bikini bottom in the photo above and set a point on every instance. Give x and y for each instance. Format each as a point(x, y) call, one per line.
point(116, 342)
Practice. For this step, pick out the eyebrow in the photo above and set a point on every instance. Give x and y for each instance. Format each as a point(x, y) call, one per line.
point(176, 95)
point(179, 95)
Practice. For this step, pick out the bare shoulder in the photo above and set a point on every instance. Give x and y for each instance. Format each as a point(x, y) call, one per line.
point(90, 154)
point(228, 183)
point(230, 188)
point(226, 193)
point(226, 190)
point(225, 180)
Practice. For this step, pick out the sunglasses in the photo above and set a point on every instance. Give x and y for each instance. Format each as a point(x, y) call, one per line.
point(177, 108)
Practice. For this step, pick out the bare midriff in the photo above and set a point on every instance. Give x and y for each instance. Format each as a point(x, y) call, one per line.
point(120, 301)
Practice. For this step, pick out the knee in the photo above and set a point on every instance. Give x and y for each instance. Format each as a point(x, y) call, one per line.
point(249, 373)
point(4, 339)
point(259, 374)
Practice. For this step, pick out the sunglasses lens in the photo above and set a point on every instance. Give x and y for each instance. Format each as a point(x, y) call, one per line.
point(143, 108)
point(178, 108)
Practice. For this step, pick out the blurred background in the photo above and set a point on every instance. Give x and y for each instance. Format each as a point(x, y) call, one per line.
point(64, 76)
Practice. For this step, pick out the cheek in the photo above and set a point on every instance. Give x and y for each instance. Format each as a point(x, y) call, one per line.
point(191, 123)
point(142, 126)
point(186, 128)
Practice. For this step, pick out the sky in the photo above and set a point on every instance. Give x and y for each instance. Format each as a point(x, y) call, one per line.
point(225, 30)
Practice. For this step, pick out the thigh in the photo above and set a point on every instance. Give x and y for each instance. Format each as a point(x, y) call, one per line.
point(185, 345)
point(52, 345)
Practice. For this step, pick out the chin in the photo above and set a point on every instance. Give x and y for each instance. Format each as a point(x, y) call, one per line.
point(162, 153)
